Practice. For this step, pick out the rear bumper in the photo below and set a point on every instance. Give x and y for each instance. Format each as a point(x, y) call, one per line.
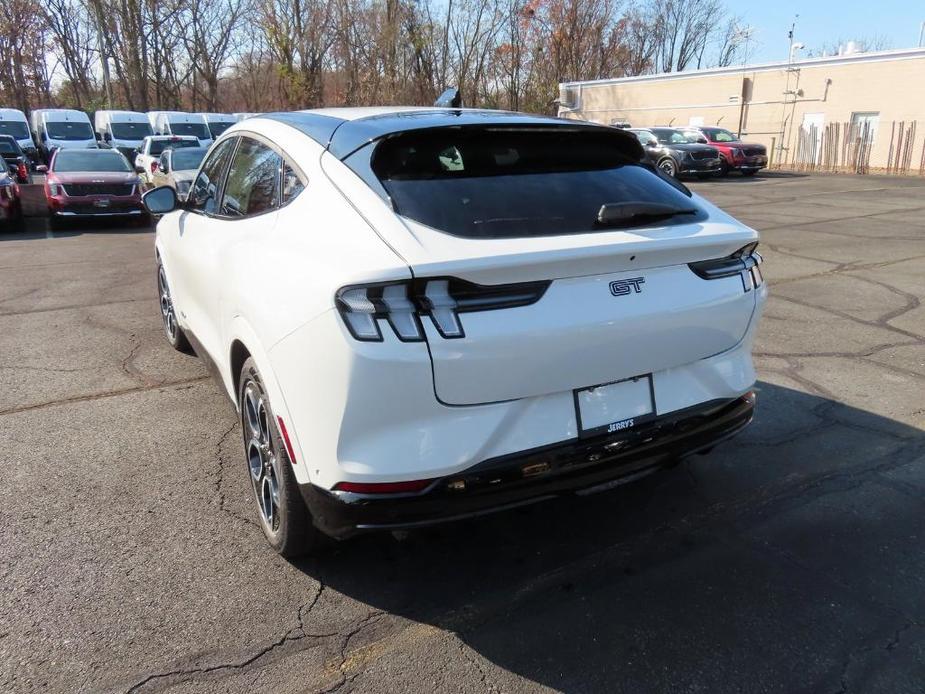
point(575, 466)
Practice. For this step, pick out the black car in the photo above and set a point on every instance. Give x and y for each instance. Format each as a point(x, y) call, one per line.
point(673, 152)
point(16, 160)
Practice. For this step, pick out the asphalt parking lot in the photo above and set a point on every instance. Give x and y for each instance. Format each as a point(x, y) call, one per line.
point(788, 560)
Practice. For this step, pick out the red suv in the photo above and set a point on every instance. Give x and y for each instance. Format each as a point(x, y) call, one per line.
point(87, 183)
point(747, 157)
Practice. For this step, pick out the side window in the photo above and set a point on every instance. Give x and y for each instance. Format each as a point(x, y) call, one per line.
point(253, 180)
point(203, 195)
point(292, 183)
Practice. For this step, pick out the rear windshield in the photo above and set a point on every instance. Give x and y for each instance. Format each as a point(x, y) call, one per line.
point(158, 146)
point(517, 182)
point(130, 131)
point(218, 127)
point(67, 160)
point(17, 129)
point(189, 159)
point(10, 147)
point(195, 129)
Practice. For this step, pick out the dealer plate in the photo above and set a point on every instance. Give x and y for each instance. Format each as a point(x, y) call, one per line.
point(613, 407)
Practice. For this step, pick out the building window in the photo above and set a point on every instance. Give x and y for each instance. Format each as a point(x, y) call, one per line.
point(864, 124)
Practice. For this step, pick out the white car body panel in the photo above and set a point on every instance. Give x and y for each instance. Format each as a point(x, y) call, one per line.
point(392, 410)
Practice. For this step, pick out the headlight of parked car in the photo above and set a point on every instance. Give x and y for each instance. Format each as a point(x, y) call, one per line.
point(55, 189)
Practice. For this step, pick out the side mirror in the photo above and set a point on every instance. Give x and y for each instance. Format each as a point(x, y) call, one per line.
point(160, 200)
point(139, 169)
point(99, 137)
point(43, 136)
point(107, 137)
point(702, 140)
point(652, 143)
point(41, 168)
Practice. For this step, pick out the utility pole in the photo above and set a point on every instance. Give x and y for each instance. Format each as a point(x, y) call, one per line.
point(783, 115)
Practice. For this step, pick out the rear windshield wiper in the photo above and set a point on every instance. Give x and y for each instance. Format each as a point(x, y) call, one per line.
point(617, 213)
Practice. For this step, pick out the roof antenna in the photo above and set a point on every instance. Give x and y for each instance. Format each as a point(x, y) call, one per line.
point(451, 98)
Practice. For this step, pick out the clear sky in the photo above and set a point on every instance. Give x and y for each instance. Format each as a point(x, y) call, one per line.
point(820, 22)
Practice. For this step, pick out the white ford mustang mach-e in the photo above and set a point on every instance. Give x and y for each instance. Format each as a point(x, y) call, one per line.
point(429, 314)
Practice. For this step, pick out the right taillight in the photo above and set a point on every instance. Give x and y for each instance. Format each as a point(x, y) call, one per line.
point(404, 304)
point(745, 262)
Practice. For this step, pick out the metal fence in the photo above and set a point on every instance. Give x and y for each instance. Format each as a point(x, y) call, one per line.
point(846, 147)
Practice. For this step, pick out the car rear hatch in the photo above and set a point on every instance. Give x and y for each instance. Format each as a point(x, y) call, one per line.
point(550, 262)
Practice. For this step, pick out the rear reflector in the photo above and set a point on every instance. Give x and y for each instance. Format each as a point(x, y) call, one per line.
point(282, 430)
point(382, 487)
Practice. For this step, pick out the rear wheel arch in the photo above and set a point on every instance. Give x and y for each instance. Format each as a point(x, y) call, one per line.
point(238, 354)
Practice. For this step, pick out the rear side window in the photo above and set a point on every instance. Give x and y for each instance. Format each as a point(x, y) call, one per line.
point(292, 183)
point(253, 180)
point(203, 195)
point(504, 183)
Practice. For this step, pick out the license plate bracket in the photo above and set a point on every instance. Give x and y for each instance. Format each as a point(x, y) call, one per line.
point(610, 408)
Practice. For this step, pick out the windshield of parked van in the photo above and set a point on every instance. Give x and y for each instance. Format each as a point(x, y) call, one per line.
point(69, 160)
point(130, 131)
point(15, 128)
point(68, 130)
point(195, 129)
point(506, 182)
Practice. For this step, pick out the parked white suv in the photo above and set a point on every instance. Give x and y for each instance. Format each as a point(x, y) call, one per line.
point(149, 154)
point(429, 314)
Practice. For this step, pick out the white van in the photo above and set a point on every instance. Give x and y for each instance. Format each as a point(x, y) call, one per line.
point(241, 116)
point(61, 128)
point(122, 130)
point(13, 122)
point(180, 123)
point(218, 122)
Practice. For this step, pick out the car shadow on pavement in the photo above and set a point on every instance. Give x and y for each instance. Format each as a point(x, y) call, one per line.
point(788, 559)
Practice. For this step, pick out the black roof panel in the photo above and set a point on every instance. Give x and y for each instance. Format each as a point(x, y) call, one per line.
point(343, 137)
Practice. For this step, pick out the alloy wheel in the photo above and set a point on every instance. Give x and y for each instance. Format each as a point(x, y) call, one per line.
point(667, 166)
point(262, 458)
point(168, 314)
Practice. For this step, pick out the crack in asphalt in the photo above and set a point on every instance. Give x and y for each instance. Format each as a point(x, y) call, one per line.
point(218, 484)
point(864, 648)
point(69, 307)
point(295, 634)
point(100, 396)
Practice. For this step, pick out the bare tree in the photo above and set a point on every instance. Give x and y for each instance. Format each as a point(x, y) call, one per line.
point(75, 43)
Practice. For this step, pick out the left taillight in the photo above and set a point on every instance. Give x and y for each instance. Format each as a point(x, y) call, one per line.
point(745, 262)
point(22, 171)
point(403, 305)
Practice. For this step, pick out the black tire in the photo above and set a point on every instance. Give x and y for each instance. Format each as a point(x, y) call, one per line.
point(281, 512)
point(723, 168)
point(57, 223)
point(750, 172)
point(703, 176)
point(668, 167)
point(172, 330)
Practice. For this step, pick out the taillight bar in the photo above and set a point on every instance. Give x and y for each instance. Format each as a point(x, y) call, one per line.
point(404, 303)
point(745, 263)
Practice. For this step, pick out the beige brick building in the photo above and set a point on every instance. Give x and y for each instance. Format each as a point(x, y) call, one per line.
point(812, 112)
